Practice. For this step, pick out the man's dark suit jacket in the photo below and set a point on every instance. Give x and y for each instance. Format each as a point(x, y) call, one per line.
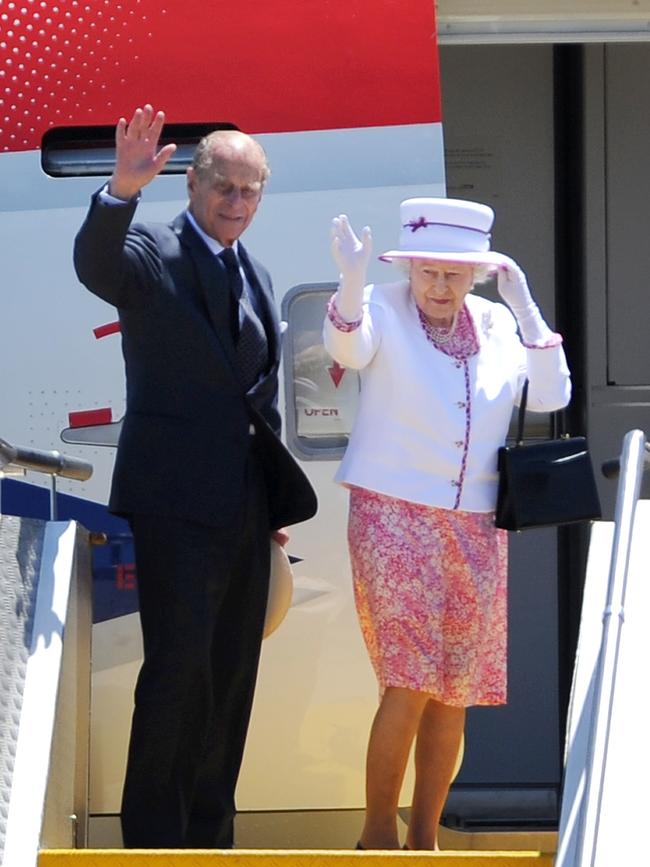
point(189, 423)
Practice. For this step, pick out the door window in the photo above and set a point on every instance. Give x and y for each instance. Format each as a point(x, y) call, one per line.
point(321, 396)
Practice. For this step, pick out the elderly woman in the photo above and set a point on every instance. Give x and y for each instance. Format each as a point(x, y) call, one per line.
point(441, 370)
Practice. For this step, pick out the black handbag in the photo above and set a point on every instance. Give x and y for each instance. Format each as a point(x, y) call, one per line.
point(545, 484)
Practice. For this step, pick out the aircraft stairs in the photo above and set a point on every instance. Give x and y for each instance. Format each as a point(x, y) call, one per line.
point(45, 627)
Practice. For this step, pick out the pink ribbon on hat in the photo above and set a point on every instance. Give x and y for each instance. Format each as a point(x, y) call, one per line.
point(422, 223)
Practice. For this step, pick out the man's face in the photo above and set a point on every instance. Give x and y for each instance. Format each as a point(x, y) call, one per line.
point(225, 197)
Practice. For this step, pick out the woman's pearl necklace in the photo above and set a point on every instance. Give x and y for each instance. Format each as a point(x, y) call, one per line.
point(443, 335)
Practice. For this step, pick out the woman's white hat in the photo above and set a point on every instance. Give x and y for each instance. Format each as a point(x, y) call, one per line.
point(450, 229)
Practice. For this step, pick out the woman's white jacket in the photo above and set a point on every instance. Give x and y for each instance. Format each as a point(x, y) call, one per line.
point(428, 426)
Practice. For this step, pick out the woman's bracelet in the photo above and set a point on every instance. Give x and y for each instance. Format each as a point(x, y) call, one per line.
point(338, 321)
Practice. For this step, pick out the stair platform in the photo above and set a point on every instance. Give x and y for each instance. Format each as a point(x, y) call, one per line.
point(286, 858)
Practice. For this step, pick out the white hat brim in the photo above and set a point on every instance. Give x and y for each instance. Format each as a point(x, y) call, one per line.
point(485, 257)
point(280, 589)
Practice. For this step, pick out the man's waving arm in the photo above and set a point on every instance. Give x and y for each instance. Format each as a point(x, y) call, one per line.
point(102, 253)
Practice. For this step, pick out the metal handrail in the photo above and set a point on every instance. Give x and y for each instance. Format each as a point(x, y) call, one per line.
point(629, 487)
point(581, 817)
point(52, 463)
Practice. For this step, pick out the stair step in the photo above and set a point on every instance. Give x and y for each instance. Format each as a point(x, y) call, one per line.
point(284, 858)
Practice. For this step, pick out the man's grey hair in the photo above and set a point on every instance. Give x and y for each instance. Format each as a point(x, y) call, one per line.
point(205, 156)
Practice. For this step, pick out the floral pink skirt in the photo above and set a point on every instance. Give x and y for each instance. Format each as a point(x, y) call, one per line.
point(431, 593)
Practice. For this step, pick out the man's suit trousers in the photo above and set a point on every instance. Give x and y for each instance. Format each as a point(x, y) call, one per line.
point(202, 599)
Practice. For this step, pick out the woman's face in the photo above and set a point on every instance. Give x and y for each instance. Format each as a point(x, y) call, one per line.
point(439, 288)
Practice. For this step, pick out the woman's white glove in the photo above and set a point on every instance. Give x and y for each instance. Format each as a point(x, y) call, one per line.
point(513, 288)
point(351, 254)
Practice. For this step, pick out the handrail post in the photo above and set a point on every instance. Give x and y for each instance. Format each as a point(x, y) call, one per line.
point(52, 463)
point(54, 510)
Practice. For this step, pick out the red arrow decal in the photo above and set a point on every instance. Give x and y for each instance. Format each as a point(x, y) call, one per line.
point(336, 372)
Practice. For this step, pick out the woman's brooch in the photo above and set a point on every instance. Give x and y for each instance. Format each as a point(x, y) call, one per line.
point(487, 323)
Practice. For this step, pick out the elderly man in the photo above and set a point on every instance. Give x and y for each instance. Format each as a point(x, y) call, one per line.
point(200, 472)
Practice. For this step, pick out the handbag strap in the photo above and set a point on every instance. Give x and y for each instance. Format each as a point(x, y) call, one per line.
point(522, 413)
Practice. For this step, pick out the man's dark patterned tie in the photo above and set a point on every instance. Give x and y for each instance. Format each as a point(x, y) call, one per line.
point(252, 348)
